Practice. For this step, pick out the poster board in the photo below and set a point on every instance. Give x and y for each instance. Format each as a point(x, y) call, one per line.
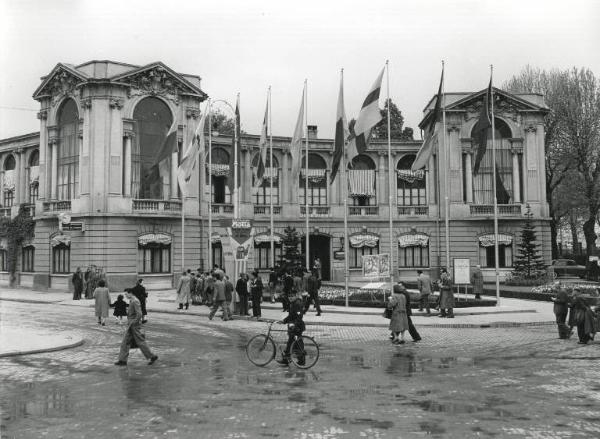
point(376, 266)
point(462, 271)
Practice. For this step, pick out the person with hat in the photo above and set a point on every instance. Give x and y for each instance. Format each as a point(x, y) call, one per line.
point(256, 291)
point(400, 288)
point(296, 327)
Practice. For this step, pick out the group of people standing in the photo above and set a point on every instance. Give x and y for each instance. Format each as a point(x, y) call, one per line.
point(580, 315)
point(84, 284)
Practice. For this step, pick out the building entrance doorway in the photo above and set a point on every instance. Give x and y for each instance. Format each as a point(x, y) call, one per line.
point(319, 247)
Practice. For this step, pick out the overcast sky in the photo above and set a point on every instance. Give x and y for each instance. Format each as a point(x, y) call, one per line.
point(245, 46)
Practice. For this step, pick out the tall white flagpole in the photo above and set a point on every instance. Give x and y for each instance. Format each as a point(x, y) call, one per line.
point(494, 186)
point(271, 181)
point(182, 223)
point(306, 175)
point(345, 195)
point(236, 193)
point(390, 185)
point(210, 189)
point(446, 172)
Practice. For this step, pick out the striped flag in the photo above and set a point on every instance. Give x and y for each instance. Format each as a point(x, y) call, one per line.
point(369, 116)
point(168, 147)
point(259, 169)
point(296, 145)
point(481, 128)
point(236, 143)
point(190, 157)
point(431, 133)
point(341, 133)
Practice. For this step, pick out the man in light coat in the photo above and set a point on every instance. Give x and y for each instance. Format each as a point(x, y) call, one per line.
point(134, 333)
point(425, 288)
point(183, 291)
point(477, 281)
point(218, 298)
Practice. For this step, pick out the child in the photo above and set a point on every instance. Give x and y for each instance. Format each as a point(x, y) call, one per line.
point(120, 309)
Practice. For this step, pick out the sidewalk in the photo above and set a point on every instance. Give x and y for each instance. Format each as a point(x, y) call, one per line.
point(512, 312)
point(21, 341)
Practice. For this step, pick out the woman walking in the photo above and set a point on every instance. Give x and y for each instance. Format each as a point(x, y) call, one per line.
point(102, 305)
point(399, 320)
point(77, 281)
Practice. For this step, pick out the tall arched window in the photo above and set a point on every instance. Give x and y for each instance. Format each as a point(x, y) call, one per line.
point(68, 151)
point(153, 119)
point(262, 193)
point(362, 181)
point(410, 185)
point(33, 176)
point(483, 189)
point(9, 181)
point(317, 181)
point(219, 173)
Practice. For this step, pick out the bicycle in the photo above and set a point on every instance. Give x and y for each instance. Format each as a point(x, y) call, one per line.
point(261, 350)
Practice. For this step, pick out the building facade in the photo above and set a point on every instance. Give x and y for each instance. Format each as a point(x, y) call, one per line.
point(90, 182)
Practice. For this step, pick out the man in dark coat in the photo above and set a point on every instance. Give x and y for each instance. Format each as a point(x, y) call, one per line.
point(313, 284)
point(399, 288)
point(288, 288)
point(133, 333)
point(241, 287)
point(295, 327)
point(139, 291)
point(561, 309)
point(256, 291)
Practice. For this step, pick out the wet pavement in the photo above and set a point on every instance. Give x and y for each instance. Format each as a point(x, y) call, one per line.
point(517, 382)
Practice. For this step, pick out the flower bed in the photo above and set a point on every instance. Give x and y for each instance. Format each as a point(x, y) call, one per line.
point(550, 290)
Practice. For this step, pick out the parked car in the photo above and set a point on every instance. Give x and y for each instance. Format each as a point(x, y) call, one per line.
point(568, 267)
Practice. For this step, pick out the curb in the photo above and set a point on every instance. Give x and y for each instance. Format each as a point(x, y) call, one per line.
point(43, 350)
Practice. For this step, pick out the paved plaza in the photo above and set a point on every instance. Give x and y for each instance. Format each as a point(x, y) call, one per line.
point(507, 381)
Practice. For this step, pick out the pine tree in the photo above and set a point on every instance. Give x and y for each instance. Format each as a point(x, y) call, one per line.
point(528, 262)
point(291, 259)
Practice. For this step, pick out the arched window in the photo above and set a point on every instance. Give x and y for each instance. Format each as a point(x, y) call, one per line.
point(362, 181)
point(9, 181)
point(219, 174)
point(33, 176)
point(262, 193)
point(483, 189)
point(317, 181)
point(410, 185)
point(153, 119)
point(67, 180)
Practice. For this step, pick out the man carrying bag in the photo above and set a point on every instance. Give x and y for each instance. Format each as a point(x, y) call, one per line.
point(133, 334)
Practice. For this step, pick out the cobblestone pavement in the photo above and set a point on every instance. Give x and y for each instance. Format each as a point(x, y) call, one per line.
point(517, 382)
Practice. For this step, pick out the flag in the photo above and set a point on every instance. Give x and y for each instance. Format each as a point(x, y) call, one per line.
point(369, 116)
point(296, 145)
point(259, 169)
point(502, 195)
point(480, 130)
point(341, 133)
point(168, 147)
point(431, 132)
point(236, 145)
point(190, 157)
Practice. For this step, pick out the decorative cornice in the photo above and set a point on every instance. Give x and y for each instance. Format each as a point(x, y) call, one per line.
point(452, 128)
point(157, 82)
point(129, 134)
point(531, 129)
point(115, 103)
point(192, 113)
point(42, 115)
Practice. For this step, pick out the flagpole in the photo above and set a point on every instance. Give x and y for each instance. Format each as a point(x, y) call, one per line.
point(210, 261)
point(306, 175)
point(495, 194)
point(390, 185)
point(271, 180)
point(236, 194)
point(182, 227)
point(345, 195)
point(446, 171)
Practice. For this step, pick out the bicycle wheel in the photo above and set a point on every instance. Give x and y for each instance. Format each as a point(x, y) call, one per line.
point(260, 350)
point(305, 352)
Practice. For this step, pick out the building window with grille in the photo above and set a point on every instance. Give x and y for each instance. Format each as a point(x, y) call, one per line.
point(9, 183)
point(262, 254)
point(3, 260)
point(362, 181)
point(487, 255)
point(33, 176)
point(9, 198)
point(410, 185)
point(154, 258)
point(34, 190)
point(218, 172)
point(61, 259)
point(27, 258)
point(413, 251)
point(356, 254)
point(68, 151)
point(317, 181)
point(262, 194)
point(217, 254)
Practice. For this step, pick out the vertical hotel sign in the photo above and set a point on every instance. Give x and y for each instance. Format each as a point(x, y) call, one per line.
point(237, 245)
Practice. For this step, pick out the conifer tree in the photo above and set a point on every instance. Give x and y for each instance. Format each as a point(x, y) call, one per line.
point(528, 262)
point(292, 259)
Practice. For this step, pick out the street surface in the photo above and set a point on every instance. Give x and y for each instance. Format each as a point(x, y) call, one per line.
point(517, 382)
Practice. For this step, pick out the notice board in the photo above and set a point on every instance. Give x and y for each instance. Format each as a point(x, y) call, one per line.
point(462, 271)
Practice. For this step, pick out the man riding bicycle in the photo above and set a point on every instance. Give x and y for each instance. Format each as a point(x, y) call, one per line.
point(295, 328)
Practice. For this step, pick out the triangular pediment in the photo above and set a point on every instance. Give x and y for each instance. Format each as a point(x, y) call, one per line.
point(62, 80)
point(157, 78)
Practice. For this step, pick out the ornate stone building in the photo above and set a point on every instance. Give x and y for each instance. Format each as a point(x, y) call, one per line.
point(88, 180)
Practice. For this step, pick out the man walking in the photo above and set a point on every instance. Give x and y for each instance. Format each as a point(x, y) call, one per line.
point(228, 297)
point(139, 291)
point(313, 284)
point(425, 288)
point(183, 291)
point(218, 299)
point(133, 333)
point(477, 281)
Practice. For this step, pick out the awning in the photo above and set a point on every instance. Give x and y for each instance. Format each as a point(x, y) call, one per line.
point(60, 239)
point(266, 237)
point(361, 182)
point(487, 240)
point(154, 238)
point(413, 240)
point(314, 175)
point(9, 180)
point(364, 240)
point(410, 176)
point(34, 174)
point(218, 170)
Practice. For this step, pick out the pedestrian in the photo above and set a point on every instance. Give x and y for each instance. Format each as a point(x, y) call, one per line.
point(197, 293)
point(317, 266)
point(399, 320)
point(241, 287)
point(77, 281)
point(288, 288)
point(208, 292)
point(193, 282)
point(133, 336)
point(272, 283)
point(183, 291)
point(139, 291)
point(313, 284)
point(102, 302)
point(400, 288)
point(477, 281)
point(425, 287)
point(296, 327)
point(88, 278)
point(299, 280)
point(228, 297)
point(218, 270)
point(120, 307)
point(561, 308)
point(446, 295)
point(218, 300)
point(582, 316)
point(256, 291)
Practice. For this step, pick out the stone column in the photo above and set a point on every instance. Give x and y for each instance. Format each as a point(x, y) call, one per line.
point(54, 170)
point(127, 164)
point(382, 183)
point(516, 178)
point(468, 177)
